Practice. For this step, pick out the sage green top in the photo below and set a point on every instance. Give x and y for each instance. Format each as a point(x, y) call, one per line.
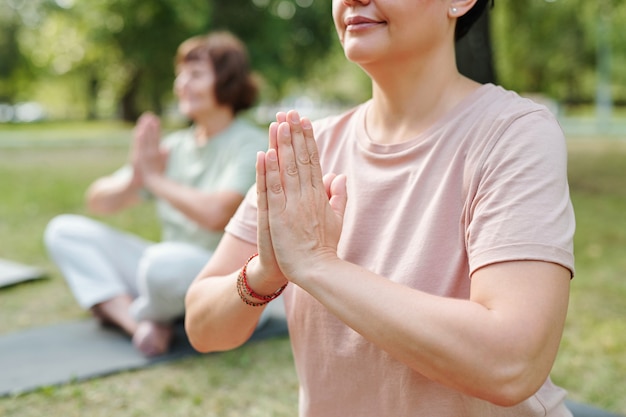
point(225, 162)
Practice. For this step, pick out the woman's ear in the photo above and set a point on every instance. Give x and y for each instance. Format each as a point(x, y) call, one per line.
point(459, 7)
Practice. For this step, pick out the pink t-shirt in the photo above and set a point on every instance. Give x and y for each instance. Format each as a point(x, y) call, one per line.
point(487, 183)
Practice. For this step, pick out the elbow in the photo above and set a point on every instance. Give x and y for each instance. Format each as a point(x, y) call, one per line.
point(206, 333)
point(204, 341)
point(196, 342)
point(197, 334)
point(509, 396)
point(212, 226)
point(193, 327)
point(213, 223)
point(218, 215)
point(97, 209)
point(513, 386)
point(96, 205)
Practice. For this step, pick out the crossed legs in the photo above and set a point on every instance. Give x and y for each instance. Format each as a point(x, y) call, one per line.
point(123, 280)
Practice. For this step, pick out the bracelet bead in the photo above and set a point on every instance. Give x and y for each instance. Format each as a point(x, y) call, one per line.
point(243, 288)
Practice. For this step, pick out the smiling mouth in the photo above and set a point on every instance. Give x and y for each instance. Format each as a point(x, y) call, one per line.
point(355, 23)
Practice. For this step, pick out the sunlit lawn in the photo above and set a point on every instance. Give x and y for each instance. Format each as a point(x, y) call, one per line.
point(39, 181)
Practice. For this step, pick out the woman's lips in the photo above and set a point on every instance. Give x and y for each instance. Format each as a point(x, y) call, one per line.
point(356, 23)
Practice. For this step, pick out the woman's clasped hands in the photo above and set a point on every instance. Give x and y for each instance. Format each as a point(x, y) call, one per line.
point(300, 212)
point(147, 157)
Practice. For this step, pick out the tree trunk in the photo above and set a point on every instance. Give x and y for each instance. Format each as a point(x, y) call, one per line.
point(128, 102)
point(473, 52)
point(93, 85)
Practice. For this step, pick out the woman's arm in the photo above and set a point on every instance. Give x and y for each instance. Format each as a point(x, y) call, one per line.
point(499, 345)
point(108, 195)
point(211, 211)
point(216, 318)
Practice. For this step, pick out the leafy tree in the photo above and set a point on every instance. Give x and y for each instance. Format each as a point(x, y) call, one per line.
point(116, 56)
point(551, 46)
point(285, 37)
point(150, 32)
point(9, 59)
point(14, 68)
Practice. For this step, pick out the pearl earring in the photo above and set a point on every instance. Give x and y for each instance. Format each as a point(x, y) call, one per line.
point(453, 10)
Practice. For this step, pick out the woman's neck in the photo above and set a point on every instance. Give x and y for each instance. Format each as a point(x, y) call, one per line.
point(209, 125)
point(410, 97)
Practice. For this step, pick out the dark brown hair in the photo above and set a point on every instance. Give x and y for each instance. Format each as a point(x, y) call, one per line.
point(234, 83)
point(465, 22)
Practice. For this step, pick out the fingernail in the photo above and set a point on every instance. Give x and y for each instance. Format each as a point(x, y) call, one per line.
point(295, 117)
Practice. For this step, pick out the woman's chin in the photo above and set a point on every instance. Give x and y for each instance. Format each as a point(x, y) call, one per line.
point(185, 111)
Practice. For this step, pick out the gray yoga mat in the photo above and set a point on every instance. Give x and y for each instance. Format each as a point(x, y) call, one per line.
point(12, 273)
point(83, 349)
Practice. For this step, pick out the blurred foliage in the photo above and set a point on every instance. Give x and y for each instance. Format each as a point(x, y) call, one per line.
point(105, 58)
point(551, 46)
point(116, 57)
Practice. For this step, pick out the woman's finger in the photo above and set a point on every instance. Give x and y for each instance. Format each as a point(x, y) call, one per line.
point(261, 188)
point(273, 140)
point(275, 194)
point(289, 169)
point(281, 117)
point(300, 150)
point(315, 170)
point(264, 242)
point(339, 195)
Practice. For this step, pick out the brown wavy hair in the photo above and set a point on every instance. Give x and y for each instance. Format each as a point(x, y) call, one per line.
point(235, 85)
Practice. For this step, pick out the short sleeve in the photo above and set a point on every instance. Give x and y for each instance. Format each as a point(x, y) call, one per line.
point(243, 225)
point(521, 208)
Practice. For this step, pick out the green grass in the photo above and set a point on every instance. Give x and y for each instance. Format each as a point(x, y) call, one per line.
point(592, 359)
point(44, 179)
point(39, 181)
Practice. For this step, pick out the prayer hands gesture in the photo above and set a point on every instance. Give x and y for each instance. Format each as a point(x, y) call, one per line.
point(147, 158)
point(300, 213)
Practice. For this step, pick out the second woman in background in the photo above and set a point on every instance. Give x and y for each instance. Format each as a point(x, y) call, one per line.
point(198, 177)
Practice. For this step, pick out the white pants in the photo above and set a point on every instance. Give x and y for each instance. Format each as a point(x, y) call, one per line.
point(100, 262)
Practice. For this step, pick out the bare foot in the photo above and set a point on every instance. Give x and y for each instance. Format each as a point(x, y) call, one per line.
point(102, 319)
point(152, 339)
point(115, 312)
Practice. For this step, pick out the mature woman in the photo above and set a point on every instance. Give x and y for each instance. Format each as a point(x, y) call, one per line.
point(427, 273)
point(198, 177)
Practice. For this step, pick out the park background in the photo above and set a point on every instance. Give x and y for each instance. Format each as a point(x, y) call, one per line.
point(74, 75)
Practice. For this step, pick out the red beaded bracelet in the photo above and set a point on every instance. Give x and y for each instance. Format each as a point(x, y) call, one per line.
point(243, 288)
point(242, 294)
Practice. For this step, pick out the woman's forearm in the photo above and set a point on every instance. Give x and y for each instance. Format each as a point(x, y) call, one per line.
point(210, 211)
point(501, 353)
point(216, 319)
point(109, 195)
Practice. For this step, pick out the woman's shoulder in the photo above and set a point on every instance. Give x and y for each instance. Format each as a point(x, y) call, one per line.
point(498, 102)
point(494, 113)
point(503, 119)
